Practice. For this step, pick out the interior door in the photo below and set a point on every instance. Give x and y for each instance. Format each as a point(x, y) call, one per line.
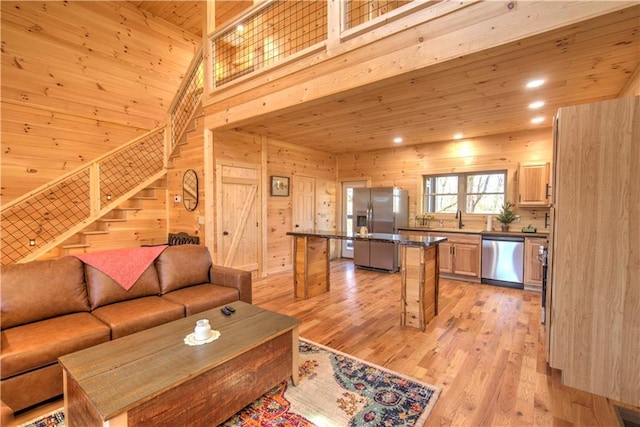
point(348, 212)
point(304, 202)
point(237, 215)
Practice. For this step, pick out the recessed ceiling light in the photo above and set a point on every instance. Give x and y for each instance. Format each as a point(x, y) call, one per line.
point(537, 120)
point(535, 83)
point(458, 136)
point(536, 104)
point(397, 140)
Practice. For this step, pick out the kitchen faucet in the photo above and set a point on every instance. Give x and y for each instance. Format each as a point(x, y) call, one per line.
point(459, 218)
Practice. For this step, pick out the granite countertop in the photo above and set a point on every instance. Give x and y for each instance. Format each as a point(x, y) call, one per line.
point(538, 233)
point(401, 239)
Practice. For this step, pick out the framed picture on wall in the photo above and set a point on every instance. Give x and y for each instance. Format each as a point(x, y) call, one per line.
point(280, 186)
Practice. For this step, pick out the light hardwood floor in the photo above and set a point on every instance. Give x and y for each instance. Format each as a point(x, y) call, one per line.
point(485, 348)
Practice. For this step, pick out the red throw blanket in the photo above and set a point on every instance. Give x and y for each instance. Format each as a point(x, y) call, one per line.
point(124, 266)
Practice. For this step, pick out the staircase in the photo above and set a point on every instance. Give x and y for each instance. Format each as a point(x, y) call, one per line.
point(193, 125)
point(89, 208)
point(121, 227)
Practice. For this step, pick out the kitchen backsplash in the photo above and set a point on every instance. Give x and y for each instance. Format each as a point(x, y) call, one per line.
point(528, 216)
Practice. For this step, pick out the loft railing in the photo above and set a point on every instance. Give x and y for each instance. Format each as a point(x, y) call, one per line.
point(272, 31)
point(47, 216)
point(276, 30)
point(358, 12)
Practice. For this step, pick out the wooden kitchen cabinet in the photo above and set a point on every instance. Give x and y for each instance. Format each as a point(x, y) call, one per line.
point(533, 265)
point(533, 184)
point(445, 258)
point(592, 295)
point(460, 255)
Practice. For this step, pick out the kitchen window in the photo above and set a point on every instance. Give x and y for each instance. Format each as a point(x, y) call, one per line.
point(473, 193)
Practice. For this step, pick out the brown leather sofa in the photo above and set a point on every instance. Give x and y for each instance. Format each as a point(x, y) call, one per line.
point(55, 307)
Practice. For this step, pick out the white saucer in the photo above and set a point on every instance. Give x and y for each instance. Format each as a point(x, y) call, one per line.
point(191, 338)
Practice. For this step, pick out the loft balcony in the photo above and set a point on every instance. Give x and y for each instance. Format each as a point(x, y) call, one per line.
point(275, 32)
point(281, 57)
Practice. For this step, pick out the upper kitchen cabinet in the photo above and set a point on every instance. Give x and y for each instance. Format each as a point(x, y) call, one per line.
point(533, 184)
point(594, 293)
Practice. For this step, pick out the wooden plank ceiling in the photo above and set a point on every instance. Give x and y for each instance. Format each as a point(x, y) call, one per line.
point(476, 95)
point(188, 14)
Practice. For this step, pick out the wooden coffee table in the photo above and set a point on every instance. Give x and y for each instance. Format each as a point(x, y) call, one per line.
point(154, 378)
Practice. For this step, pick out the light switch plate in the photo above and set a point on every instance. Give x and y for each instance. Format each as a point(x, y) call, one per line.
point(177, 199)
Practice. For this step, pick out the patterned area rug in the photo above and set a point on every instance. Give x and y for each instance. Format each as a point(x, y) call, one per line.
point(335, 389)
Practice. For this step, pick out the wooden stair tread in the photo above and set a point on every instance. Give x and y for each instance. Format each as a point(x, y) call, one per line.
point(143, 198)
point(76, 246)
point(94, 232)
point(112, 220)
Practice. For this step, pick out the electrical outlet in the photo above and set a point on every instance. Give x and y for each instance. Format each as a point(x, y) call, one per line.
point(517, 218)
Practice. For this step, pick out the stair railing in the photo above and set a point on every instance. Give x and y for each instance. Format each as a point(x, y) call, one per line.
point(187, 100)
point(45, 217)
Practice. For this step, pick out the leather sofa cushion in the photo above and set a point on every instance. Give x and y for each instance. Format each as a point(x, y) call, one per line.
point(41, 290)
point(103, 290)
point(202, 297)
point(24, 390)
point(35, 345)
point(182, 266)
point(128, 317)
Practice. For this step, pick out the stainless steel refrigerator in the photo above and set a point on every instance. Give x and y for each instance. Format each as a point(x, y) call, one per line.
point(381, 210)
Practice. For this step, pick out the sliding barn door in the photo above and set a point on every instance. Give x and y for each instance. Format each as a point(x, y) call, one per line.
point(237, 216)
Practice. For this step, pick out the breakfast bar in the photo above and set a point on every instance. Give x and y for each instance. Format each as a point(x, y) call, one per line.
point(419, 269)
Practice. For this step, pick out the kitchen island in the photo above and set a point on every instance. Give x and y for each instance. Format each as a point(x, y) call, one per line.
point(419, 266)
point(462, 257)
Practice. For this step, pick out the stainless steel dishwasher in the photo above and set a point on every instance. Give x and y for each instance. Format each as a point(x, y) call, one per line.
point(503, 261)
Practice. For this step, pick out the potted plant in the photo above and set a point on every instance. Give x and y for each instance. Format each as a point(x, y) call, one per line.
point(424, 219)
point(506, 216)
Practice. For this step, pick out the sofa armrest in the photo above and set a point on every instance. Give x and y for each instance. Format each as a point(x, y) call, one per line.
point(6, 414)
point(233, 278)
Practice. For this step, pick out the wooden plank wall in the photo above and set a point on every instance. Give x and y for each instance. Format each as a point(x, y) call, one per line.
point(287, 159)
point(78, 79)
point(284, 159)
point(191, 157)
point(404, 166)
point(633, 88)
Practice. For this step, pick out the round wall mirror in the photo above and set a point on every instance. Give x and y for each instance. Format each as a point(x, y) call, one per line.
point(190, 190)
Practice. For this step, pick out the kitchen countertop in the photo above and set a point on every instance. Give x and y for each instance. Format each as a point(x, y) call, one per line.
point(539, 233)
point(401, 239)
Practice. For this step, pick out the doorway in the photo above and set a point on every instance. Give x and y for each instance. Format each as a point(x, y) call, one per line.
point(304, 203)
point(237, 204)
point(347, 214)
